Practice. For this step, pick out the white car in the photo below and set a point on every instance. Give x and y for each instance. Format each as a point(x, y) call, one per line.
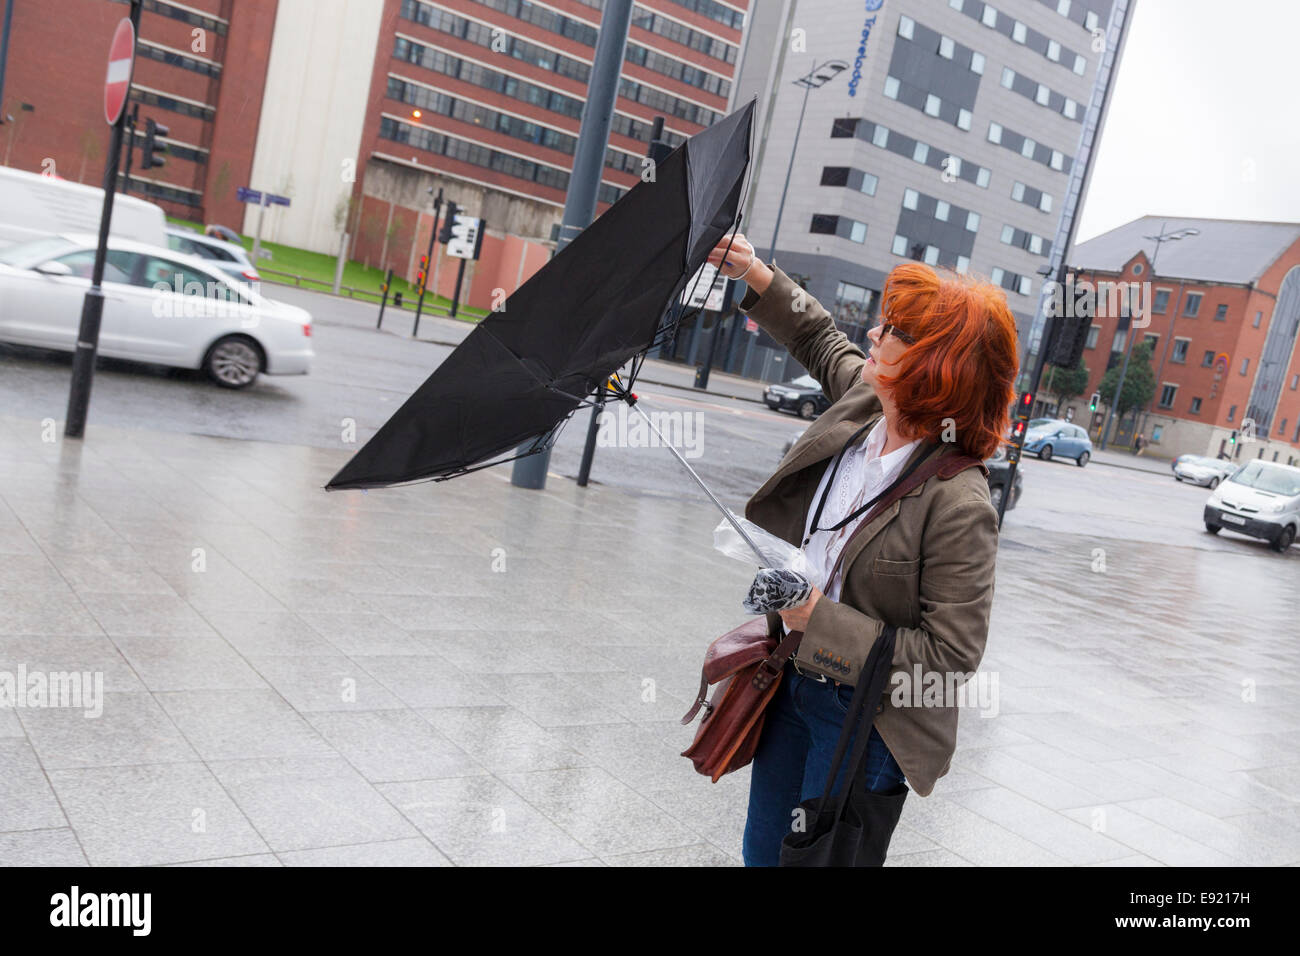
point(159, 306)
point(231, 259)
point(1261, 499)
point(1200, 470)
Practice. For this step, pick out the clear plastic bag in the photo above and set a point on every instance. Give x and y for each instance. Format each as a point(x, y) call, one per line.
point(779, 552)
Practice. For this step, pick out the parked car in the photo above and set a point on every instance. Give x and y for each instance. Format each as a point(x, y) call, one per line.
point(1051, 437)
point(160, 306)
point(230, 258)
point(998, 468)
point(1260, 499)
point(1200, 470)
point(804, 396)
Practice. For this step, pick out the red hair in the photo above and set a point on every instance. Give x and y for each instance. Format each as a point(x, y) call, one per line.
point(959, 375)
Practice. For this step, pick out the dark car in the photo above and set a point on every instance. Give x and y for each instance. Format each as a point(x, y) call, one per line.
point(998, 471)
point(803, 396)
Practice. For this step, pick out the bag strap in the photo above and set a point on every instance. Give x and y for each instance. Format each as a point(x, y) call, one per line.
point(860, 718)
point(947, 466)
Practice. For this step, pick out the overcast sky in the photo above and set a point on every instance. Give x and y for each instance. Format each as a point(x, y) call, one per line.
point(1205, 116)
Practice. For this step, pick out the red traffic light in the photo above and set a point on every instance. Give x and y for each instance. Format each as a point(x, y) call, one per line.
point(1018, 432)
point(1026, 404)
point(424, 263)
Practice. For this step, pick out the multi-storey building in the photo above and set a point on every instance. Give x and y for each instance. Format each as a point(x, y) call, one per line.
point(1224, 313)
point(948, 137)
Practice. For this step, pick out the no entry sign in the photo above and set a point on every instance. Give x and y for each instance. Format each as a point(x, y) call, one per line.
point(121, 58)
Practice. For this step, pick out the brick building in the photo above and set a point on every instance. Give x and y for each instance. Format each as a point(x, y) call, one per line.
point(1224, 316)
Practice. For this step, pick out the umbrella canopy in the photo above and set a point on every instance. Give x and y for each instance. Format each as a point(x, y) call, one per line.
point(520, 374)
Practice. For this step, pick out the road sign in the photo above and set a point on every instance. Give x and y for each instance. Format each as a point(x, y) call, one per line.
point(244, 194)
point(466, 237)
point(706, 289)
point(117, 81)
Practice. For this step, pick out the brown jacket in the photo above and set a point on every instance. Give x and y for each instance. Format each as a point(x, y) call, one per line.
point(925, 564)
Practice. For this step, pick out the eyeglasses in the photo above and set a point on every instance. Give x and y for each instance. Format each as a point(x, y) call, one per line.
point(897, 333)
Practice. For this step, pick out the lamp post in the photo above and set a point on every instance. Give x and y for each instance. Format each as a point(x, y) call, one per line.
point(814, 79)
point(1162, 236)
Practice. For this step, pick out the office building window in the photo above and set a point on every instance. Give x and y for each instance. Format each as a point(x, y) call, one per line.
point(1054, 51)
point(995, 133)
point(1080, 65)
point(1180, 351)
point(1008, 77)
point(941, 210)
point(972, 223)
point(982, 178)
point(921, 152)
point(1161, 302)
point(1091, 21)
point(1196, 406)
point(906, 26)
point(932, 104)
point(963, 119)
point(946, 47)
point(990, 17)
point(910, 197)
point(900, 246)
point(963, 264)
point(1193, 304)
point(1018, 32)
point(1167, 396)
point(891, 87)
point(1221, 312)
point(977, 63)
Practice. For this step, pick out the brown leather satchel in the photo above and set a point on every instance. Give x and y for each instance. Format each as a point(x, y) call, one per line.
point(747, 662)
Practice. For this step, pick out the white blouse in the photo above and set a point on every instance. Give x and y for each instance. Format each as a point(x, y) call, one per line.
point(863, 474)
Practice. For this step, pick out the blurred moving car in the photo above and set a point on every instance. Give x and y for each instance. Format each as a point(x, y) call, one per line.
point(33, 206)
point(1200, 470)
point(160, 306)
point(803, 395)
point(998, 467)
point(1050, 437)
point(1261, 499)
point(230, 258)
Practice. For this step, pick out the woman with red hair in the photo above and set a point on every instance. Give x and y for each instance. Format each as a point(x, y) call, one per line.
point(934, 387)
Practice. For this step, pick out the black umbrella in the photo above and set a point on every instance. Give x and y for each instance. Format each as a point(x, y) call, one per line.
point(603, 301)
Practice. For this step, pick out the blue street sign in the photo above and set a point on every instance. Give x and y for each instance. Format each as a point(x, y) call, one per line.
point(244, 194)
point(277, 200)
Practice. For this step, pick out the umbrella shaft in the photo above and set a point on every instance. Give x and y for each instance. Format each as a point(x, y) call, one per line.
point(726, 512)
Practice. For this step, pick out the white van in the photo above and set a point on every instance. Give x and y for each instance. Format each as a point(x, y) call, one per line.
point(1261, 499)
point(33, 206)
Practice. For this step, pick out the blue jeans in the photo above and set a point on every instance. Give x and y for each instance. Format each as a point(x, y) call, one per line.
point(794, 756)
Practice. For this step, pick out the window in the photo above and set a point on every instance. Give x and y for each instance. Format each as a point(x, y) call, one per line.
point(118, 267)
point(931, 255)
point(858, 232)
point(1232, 413)
point(996, 275)
point(972, 221)
point(946, 47)
point(1008, 234)
point(1018, 192)
point(1054, 51)
point(869, 183)
point(900, 246)
point(905, 27)
point(1295, 381)
point(1150, 338)
point(1043, 96)
point(1063, 7)
point(910, 197)
point(1008, 77)
point(1058, 160)
point(990, 17)
point(1192, 305)
point(982, 178)
point(824, 225)
point(1245, 364)
point(891, 87)
point(963, 119)
point(1180, 351)
point(1027, 148)
point(1045, 202)
point(1281, 429)
point(1117, 342)
point(1207, 360)
point(1161, 302)
point(1167, 396)
point(1070, 108)
point(921, 152)
point(1259, 317)
point(995, 133)
point(1080, 65)
point(1018, 32)
point(1156, 432)
point(957, 4)
point(977, 63)
point(1036, 245)
point(1091, 21)
point(835, 176)
point(963, 264)
point(1196, 406)
point(941, 211)
point(932, 104)
point(1221, 312)
point(880, 137)
point(179, 278)
point(1024, 285)
point(1093, 332)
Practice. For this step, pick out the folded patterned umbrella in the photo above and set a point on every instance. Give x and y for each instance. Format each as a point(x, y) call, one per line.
point(600, 303)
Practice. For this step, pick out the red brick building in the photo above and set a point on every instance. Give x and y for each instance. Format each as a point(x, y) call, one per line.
point(1224, 317)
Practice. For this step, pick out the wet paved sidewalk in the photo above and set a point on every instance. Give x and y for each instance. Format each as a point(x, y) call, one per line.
point(469, 673)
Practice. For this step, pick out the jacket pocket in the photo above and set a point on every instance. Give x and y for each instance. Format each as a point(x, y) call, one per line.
point(884, 566)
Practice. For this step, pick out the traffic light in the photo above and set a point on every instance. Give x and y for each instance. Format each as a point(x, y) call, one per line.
point(1025, 406)
point(1018, 432)
point(445, 234)
point(423, 274)
point(151, 154)
point(1232, 439)
point(1094, 401)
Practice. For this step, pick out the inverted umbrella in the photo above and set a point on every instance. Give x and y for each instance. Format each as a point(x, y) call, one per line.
point(603, 301)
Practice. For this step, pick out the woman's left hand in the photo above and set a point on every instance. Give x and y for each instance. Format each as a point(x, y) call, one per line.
point(796, 619)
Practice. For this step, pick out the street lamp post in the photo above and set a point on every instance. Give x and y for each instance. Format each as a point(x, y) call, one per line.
point(1129, 336)
point(815, 78)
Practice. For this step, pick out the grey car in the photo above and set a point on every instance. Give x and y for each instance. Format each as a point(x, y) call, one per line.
point(1200, 470)
point(231, 259)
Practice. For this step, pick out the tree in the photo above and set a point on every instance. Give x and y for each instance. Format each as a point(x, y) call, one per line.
point(1068, 383)
point(1139, 381)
